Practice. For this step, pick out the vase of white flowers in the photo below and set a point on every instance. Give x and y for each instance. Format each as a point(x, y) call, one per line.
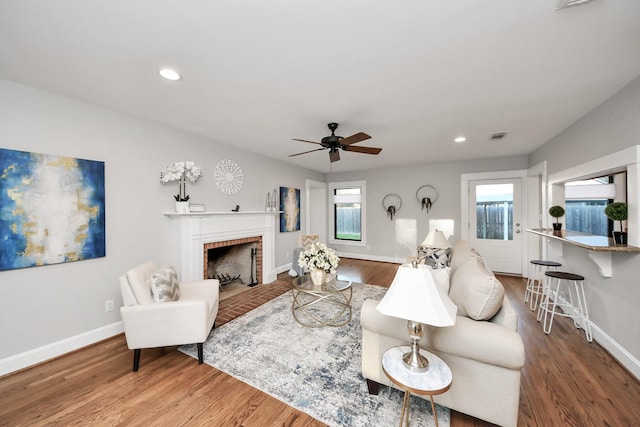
point(320, 260)
point(181, 172)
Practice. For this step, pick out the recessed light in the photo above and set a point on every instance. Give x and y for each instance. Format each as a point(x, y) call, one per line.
point(169, 74)
point(460, 139)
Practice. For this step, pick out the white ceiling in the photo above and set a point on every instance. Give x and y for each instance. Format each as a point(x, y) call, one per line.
point(412, 74)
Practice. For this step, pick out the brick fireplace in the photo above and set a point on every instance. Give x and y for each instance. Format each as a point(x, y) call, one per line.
point(242, 267)
point(197, 231)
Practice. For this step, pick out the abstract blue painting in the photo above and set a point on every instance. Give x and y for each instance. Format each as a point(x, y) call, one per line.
point(51, 209)
point(290, 209)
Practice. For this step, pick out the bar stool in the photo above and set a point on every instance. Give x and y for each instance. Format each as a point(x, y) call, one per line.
point(579, 313)
point(535, 284)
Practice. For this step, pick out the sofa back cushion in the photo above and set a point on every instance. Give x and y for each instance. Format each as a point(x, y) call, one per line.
point(164, 284)
point(475, 290)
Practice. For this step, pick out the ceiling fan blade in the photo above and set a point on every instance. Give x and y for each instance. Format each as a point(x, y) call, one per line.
point(360, 136)
point(334, 155)
point(366, 150)
point(304, 140)
point(305, 152)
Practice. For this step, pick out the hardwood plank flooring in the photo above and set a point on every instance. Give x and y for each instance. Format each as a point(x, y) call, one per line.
point(566, 381)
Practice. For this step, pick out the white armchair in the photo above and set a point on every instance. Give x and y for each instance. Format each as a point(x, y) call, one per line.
point(149, 324)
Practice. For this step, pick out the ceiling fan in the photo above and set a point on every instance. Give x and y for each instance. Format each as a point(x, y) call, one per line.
point(335, 142)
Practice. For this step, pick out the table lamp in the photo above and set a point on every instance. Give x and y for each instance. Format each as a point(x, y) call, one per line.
point(435, 247)
point(416, 297)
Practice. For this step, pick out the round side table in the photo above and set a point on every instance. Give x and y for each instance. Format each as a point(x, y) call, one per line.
point(436, 380)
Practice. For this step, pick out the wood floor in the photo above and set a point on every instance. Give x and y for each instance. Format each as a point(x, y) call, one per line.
point(566, 381)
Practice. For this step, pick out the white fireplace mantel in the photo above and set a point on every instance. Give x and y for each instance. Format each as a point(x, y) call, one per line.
point(197, 229)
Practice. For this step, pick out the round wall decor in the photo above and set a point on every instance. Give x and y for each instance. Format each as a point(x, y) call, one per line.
point(228, 176)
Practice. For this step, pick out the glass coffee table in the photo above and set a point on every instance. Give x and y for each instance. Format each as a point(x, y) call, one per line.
point(317, 306)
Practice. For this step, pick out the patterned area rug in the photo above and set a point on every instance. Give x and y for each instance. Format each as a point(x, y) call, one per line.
point(315, 370)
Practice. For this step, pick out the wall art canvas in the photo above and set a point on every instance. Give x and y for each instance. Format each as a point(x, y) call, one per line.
point(289, 209)
point(52, 209)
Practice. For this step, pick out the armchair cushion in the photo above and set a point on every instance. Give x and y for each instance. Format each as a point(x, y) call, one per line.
point(164, 284)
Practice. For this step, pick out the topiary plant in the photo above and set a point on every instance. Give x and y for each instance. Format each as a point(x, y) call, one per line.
point(616, 211)
point(556, 212)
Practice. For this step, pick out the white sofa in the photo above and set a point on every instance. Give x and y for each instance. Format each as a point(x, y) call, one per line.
point(184, 315)
point(485, 356)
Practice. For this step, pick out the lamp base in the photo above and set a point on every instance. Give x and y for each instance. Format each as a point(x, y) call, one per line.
point(412, 359)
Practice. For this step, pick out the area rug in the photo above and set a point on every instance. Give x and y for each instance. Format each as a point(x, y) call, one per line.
point(315, 370)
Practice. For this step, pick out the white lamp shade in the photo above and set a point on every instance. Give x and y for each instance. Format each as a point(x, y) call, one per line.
point(435, 239)
point(447, 226)
point(414, 295)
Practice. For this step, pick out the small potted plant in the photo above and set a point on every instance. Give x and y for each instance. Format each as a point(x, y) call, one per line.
point(617, 211)
point(556, 212)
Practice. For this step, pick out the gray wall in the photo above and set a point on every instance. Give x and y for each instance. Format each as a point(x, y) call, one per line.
point(613, 126)
point(382, 236)
point(47, 304)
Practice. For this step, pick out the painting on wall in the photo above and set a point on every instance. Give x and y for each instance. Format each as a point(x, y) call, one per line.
point(289, 209)
point(51, 209)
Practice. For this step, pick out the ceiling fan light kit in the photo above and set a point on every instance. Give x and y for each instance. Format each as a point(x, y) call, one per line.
point(334, 143)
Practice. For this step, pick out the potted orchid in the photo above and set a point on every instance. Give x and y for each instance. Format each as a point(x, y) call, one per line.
point(320, 260)
point(181, 172)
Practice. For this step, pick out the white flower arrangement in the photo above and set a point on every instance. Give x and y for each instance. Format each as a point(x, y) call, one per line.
point(319, 256)
point(181, 171)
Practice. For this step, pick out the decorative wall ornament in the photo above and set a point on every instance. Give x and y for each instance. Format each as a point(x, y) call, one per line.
point(290, 207)
point(52, 209)
point(228, 176)
point(426, 196)
point(391, 204)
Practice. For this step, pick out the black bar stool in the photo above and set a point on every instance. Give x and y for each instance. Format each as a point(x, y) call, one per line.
point(535, 280)
point(561, 306)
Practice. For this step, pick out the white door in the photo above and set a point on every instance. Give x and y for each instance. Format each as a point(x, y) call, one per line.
point(495, 223)
point(316, 216)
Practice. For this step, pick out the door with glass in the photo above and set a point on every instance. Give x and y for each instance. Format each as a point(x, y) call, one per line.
point(495, 218)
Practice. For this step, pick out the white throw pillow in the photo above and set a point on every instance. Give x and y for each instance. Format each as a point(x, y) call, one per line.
point(476, 291)
point(460, 255)
point(164, 285)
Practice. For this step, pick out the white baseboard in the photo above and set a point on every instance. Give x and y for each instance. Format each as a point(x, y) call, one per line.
point(625, 358)
point(283, 268)
point(50, 351)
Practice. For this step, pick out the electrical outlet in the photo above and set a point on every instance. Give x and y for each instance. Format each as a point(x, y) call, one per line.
point(287, 255)
point(108, 305)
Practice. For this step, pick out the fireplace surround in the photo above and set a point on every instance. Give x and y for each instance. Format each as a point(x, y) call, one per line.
point(196, 232)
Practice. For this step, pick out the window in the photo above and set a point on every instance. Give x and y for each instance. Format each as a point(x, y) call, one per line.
point(585, 201)
point(347, 221)
point(494, 211)
point(587, 216)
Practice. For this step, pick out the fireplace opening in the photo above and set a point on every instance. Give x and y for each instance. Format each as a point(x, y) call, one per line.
point(234, 261)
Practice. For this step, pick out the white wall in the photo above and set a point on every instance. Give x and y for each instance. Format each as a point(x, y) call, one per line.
point(384, 240)
point(613, 302)
point(46, 305)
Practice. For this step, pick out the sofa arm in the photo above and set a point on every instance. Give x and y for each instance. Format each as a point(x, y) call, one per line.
point(477, 340)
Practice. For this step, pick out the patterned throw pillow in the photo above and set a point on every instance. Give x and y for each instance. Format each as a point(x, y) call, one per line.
point(164, 285)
